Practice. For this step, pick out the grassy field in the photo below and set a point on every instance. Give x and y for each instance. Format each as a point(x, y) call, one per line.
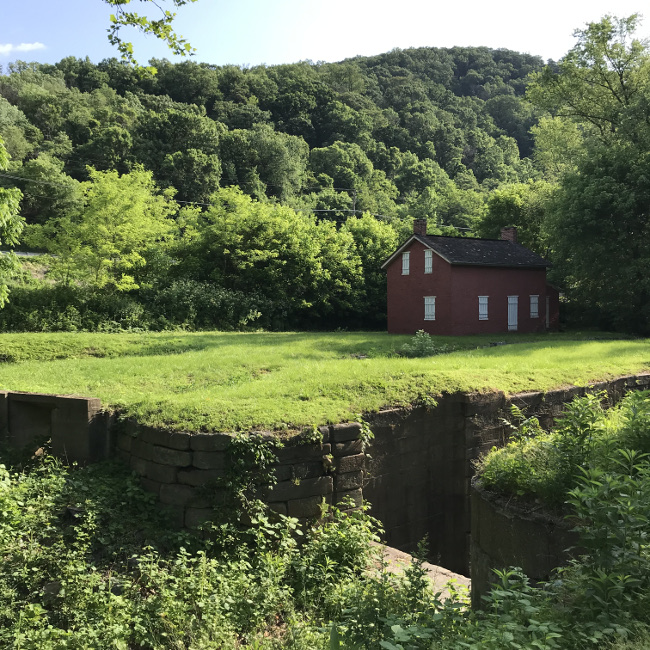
point(215, 381)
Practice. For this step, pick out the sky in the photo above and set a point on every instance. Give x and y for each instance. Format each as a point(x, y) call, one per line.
point(254, 32)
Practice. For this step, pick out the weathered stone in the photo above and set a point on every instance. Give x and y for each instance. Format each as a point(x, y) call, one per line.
point(138, 465)
point(308, 507)
point(307, 470)
point(210, 441)
point(350, 448)
point(124, 442)
point(198, 477)
point(302, 453)
point(142, 449)
point(172, 439)
point(161, 473)
point(355, 495)
point(278, 506)
point(345, 432)
point(346, 464)
point(283, 472)
point(311, 487)
point(150, 486)
point(196, 516)
point(348, 481)
point(175, 515)
point(177, 495)
point(124, 456)
point(209, 460)
point(174, 457)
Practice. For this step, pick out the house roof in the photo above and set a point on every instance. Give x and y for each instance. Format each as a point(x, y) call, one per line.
point(468, 251)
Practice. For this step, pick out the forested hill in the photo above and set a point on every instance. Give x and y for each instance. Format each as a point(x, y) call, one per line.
point(418, 132)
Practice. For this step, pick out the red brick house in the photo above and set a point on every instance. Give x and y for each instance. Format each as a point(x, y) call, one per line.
point(456, 285)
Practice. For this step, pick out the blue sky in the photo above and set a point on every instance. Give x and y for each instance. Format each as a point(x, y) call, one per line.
point(252, 32)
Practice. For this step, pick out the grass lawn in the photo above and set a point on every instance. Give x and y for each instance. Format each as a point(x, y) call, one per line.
point(214, 381)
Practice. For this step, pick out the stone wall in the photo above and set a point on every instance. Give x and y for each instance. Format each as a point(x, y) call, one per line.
point(504, 535)
point(422, 462)
point(80, 430)
point(182, 469)
point(417, 477)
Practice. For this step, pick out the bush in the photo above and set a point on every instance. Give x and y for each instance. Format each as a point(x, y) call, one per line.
point(422, 345)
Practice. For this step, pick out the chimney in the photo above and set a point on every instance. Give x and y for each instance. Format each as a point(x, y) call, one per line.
point(419, 226)
point(509, 234)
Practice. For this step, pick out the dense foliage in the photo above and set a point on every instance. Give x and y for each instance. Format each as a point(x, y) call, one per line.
point(90, 561)
point(315, 147)
point(332, 161)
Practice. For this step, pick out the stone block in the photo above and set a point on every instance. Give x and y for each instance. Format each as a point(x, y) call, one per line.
point(138, 465)
point(124, 456)
point(175, 516)
point(311, 487)
point(142, 449)
point(166, 456)
point(197, 477)
point(209, 460)
point(210, 441)
point(161, 473)
point(124, 442)
point(348, 481)
point(355, 495)
point(196, 516)
point(307, 507)
point(302, 453)
point(171, 439)
point(349, 448)
point(484, 404)
point(177, 495)
point(283, 472)
point(345, 464)
point(307, 470)
point(150, 486)
point(345, 432)
point(279, 506)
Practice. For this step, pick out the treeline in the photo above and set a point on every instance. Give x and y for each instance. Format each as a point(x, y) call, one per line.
point(124, 178)
point(272, 194)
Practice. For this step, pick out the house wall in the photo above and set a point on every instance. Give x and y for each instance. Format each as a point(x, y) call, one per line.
point(469, 282)
point(456, 289)
point(406, 294)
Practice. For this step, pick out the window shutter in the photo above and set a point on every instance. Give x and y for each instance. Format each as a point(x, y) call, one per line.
point(428, 261)
point(534, 306)
point(483, 307)
point(429, 308)
point(406, 261)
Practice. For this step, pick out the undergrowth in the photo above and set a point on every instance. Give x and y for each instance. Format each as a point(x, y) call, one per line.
point(89, 561)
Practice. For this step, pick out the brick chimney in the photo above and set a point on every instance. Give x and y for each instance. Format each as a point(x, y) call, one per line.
point(419, 226)
point(509, 234)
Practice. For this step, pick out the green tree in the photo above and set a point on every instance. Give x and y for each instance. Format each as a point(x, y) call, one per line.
point(161, 28)
point(123, 221)
point(524, 205)
point(11, 227)
point(307, 268)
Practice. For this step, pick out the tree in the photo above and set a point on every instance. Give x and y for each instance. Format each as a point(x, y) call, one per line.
point(599, 221)
point(524, 205)
point(123, 220)
point(11, 226)
point(161, 28)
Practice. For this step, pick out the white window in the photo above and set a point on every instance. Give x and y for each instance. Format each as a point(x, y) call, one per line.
point(406, 261)
point(483, 307)
point(429, 308)
point(534, 306)
point(428, 261)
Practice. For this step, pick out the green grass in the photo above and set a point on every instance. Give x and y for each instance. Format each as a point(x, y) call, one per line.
point(214, 381)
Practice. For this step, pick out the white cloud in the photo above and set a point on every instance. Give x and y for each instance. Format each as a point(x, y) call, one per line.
point(9, 48)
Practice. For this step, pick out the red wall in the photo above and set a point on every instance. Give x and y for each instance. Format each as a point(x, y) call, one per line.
point(457, 289)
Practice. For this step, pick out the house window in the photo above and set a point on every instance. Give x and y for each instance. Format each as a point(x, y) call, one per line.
point(428, 261)
point(406, 261)
point(429, 308)
point(483, 307)
point(534, 306)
